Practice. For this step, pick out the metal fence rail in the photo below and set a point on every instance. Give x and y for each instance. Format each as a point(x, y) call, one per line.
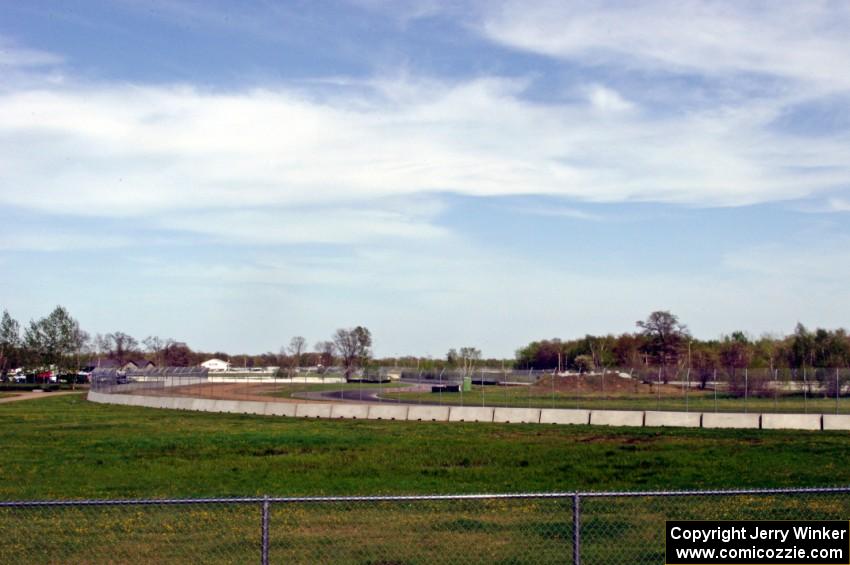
point(566, 527)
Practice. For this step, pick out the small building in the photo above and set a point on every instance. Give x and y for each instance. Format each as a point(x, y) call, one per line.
point(102, 364)
point(135, 364)
point(216, 365)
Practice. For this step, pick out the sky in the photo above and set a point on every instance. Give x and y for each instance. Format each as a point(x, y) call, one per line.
point(447, 174)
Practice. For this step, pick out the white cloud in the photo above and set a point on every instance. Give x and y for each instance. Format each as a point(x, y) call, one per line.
point(607, 100)
point(559, 212)
point(116, 150)
point(807, 41)
point(277, 227)
point(14, 55)
point(48, 239)
point(838, 205)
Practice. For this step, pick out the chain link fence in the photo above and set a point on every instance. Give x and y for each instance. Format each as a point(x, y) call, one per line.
point(801, 391)
point(605, 528)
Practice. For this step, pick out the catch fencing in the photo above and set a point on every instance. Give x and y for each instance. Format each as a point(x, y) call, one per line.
point(570, 527)
point(758, 391)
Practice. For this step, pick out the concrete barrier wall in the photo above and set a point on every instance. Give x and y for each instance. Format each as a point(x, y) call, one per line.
point(428, 413)
point(672, 419)
point(203, 405)
point(313, 410)
point(790, 421)
point(485, 414)
point(388, 412)
point(836, 421)
point(226, 406)
point(280, 409)
point(556, 416)
point(730, 420)
point(616, 418)
point(470, 414)
point(184, 403)
point(251, 407)
point(351, 411)
point(517, 415)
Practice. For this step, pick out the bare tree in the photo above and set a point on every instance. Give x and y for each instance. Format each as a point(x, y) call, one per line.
point(121, 346)
point(155, 346)
point(325, 349)
point(296, 348)
point(468, 356)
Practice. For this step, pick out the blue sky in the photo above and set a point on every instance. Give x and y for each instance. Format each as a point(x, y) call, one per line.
point(446, 173)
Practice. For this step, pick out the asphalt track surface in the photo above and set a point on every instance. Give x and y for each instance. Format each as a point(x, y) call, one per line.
point(370, 395)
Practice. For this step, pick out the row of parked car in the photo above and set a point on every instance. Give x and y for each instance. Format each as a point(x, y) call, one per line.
point(40, 377)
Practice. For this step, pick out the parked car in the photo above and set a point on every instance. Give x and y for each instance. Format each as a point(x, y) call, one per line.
point(46, 377)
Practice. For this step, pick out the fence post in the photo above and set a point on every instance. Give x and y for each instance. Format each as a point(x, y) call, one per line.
point(264, 543)
point(576, 529)
point(837, 390)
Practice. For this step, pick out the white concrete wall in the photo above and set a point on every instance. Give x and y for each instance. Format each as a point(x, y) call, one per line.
point(470, 414)
point(790, 421)
point(281, 409)
point(517, 415)
point(616, 418)
point(564, 416)
point(836, 421)
point(428, 413)
point(730, 420)
point(350, 411)
point(485, 414)
point(672, 419)
point(313, 410)
point(388, 412)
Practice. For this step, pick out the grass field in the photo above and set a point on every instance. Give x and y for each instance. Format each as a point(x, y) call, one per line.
point(7, 394)
point(66, 447)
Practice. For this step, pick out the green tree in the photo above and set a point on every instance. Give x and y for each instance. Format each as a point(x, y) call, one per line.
point(10, 341)
point(54, 338)
point(665, 337)
point(354, 347)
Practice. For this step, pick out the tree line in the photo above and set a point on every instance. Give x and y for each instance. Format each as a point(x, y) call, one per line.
point(57, 341)
point(663, 341)
point(659, 341)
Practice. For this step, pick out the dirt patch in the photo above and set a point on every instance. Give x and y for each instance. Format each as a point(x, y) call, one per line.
point(226, 391)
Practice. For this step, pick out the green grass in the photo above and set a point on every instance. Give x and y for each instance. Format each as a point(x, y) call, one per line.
point(7, 394)
point(694, 401)
point(66, 447)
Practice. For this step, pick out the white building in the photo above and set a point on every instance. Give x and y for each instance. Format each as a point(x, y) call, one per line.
point(216, 365)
